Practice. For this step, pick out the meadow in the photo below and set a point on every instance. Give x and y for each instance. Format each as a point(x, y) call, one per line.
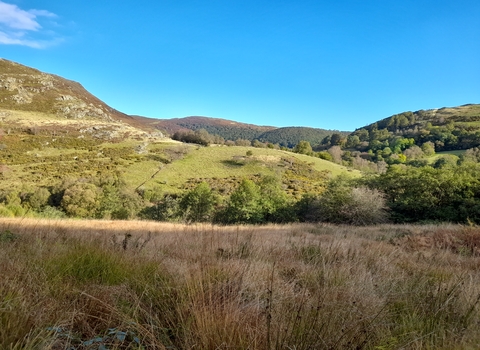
point(71, 284)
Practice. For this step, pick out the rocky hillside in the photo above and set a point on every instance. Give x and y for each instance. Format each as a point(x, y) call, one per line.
point(32, 98)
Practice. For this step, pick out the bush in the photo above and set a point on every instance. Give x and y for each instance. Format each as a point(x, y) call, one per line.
point(81, 200)
point(165, 209)
point(243, 206)
point(342, 203)
point(197, 204)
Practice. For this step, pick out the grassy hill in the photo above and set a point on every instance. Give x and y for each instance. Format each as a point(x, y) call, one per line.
point(223, 167)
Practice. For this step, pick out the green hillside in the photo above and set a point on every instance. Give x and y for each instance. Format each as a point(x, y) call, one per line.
point(452, 128)
point(223, 166)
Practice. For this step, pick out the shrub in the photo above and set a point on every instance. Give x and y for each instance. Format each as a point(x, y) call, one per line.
point(81, 200)
point(243, 206)
point(197, 205)
point(342, 203)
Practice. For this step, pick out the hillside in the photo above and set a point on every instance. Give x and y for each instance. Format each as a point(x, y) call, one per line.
point(231, 130)
point(44, 101)
point(448, 128)
point(63, 152)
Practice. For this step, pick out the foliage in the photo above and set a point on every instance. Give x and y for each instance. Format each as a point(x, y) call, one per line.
point(243, 206)
point(445, 129)
point(81, 200)
point(344, 203)
point(292, 136)
point(431, 194)
point(197, 204)
point(164, 209)
point(303, 147)
point(201, 137)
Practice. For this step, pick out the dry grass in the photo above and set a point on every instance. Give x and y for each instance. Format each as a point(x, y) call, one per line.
point(131, 285)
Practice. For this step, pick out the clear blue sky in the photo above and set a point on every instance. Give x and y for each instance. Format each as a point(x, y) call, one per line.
point(328, 64)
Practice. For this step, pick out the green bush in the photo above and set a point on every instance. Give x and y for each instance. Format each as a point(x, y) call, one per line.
point(343, 203)
point(197, 205)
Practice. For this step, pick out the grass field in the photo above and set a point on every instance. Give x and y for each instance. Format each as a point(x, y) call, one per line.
point(223, 162)
point(142, 285)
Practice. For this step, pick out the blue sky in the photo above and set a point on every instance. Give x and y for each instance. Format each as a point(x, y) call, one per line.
point(327, 64)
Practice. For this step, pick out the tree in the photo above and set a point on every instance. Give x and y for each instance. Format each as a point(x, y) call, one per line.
point(38, 200)
point(243, 206)
point(428, 148)
point(413, 152)
point(303, 147)
point(421, 194)
point(197, 205)
point(336, 153)
point(344, 203)
point(274, 201)
point(81, 200)
point(335, 139)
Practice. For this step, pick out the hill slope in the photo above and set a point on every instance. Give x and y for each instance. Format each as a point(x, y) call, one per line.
point(32, 98)
point(232, 130)
point(448, 128)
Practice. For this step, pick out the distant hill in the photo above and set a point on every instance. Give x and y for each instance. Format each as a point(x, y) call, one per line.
point(228, 129)
point(291, 136)
point(231, 130)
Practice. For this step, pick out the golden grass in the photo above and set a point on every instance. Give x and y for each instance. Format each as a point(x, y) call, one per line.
point(68, 283)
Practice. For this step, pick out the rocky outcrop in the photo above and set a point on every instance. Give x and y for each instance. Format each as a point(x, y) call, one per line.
point(24, 89)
